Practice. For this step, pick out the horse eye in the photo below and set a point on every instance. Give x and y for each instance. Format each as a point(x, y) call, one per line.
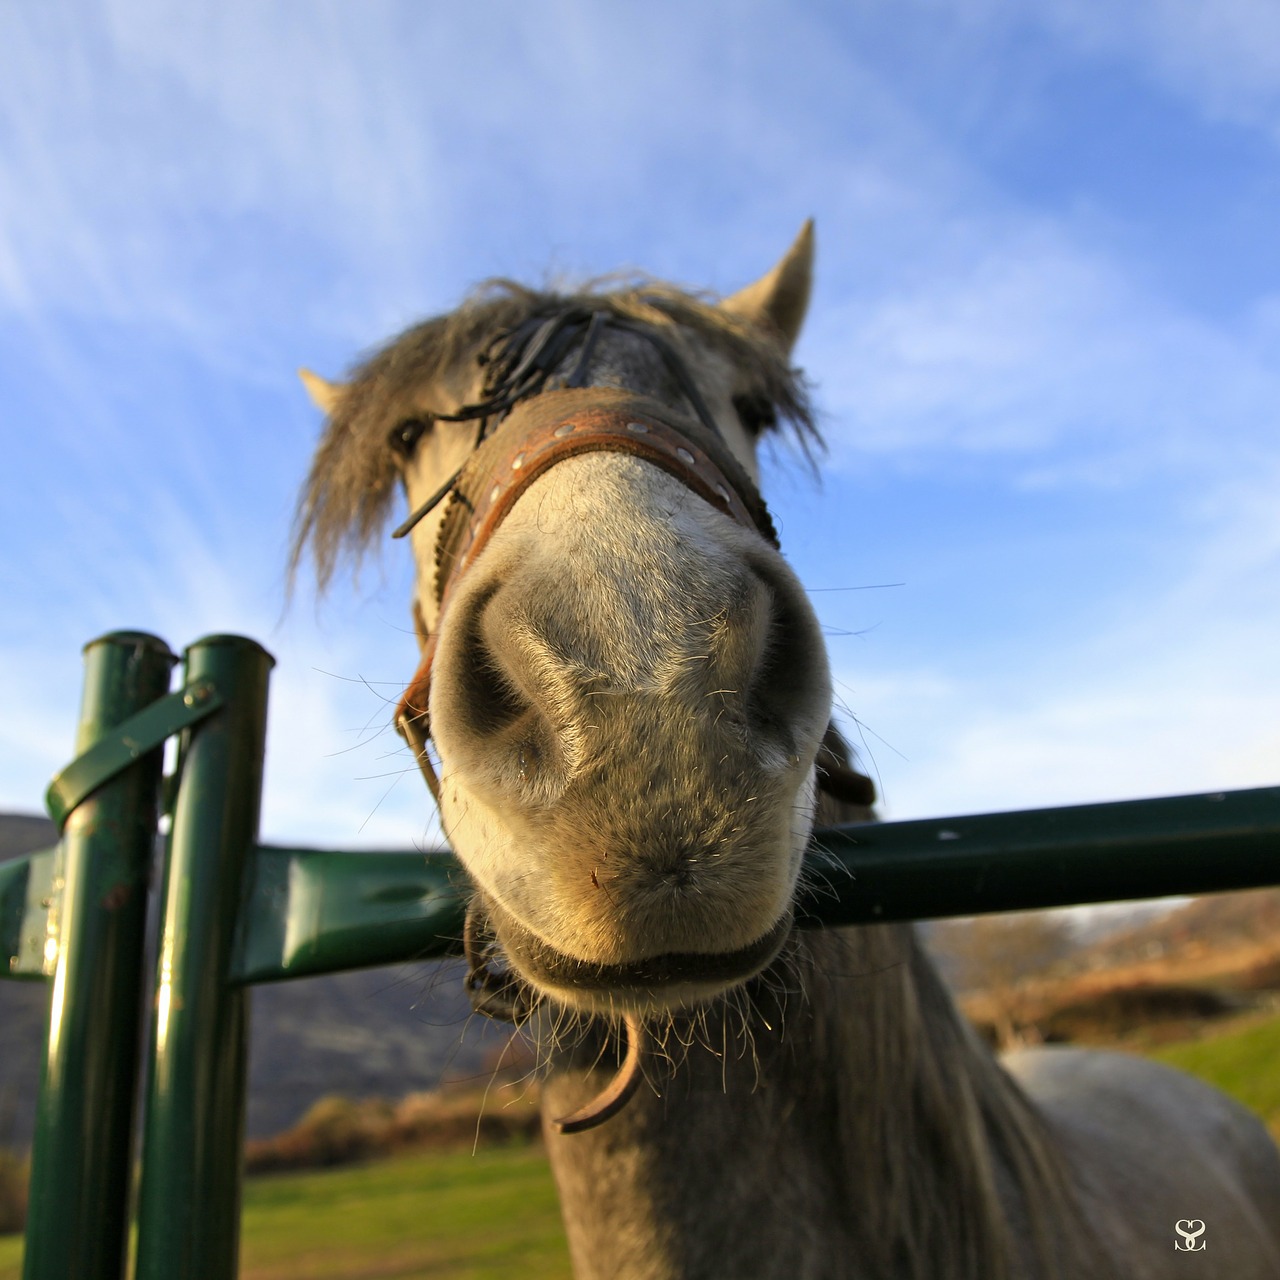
point(405, 435)
point(756, 413)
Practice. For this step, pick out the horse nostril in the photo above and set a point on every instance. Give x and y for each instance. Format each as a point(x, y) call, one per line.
point(489, 700)
point(492, 704)
point(492, 701)
point(789, 685)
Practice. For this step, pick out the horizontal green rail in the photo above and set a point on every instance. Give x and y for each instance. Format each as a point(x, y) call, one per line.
point(1043, 858)
point(315, 911)
point(312, 911)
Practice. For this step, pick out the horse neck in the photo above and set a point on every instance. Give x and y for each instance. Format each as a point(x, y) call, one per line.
point(841, 1111)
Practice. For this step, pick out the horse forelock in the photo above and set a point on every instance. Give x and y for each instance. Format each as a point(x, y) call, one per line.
point(349, 492)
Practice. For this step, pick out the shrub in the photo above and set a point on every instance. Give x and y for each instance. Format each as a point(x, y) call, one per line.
point(338, 1130)
point(1122, 1010)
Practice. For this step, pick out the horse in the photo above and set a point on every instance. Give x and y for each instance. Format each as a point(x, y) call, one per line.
point(623, 708)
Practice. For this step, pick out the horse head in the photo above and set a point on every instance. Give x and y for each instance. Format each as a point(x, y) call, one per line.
point(625, 685)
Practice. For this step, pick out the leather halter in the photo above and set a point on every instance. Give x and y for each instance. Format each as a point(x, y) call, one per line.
point(535, 436)
point(538, 428)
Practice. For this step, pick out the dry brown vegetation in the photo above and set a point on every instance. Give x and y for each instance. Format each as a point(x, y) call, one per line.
point(1165, 980)
point(998, 955)
point(338, 1130)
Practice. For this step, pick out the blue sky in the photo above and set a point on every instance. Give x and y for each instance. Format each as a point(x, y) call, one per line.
point(1045, 339)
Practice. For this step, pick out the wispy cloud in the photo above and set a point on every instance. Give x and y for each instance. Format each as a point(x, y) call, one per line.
point(1224, 56)
point(1038, 348)
point(1168, 720)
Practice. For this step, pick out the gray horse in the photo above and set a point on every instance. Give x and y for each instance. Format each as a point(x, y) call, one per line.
point(623, 709)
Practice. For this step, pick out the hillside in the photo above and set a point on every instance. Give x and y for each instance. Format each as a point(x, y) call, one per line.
point(1165, 978)
point(1222, 923)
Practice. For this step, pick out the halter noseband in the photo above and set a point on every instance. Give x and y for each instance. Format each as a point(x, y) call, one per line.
point(527, 425)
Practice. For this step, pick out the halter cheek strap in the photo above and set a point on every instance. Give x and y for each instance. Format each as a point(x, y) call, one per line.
point(412, 720)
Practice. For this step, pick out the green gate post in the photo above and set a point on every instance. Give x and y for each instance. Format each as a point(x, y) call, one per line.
point(189, 1200)
point(78, 1217)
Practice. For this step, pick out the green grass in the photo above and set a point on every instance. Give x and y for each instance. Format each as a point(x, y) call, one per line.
point(481, 1217)
point(10, 1257)
point(429, 1217)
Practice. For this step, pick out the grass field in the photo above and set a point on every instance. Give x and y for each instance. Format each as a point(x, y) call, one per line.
point(448, 1216)
point(455, 1216)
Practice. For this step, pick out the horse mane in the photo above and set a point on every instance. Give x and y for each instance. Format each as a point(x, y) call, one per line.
point(934, 1132)
point(953, 1171)
point(347, 497)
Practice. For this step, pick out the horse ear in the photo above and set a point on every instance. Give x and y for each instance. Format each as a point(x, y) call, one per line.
point(779, 300)
point(324, 394)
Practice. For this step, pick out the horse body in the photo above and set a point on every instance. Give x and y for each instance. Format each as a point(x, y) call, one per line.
point(895, 1145)
point(628, 693)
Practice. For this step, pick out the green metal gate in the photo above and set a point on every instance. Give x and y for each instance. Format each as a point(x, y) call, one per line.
point(234, 912)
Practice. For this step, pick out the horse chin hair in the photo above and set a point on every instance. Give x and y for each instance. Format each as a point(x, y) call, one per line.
point(657, 985)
